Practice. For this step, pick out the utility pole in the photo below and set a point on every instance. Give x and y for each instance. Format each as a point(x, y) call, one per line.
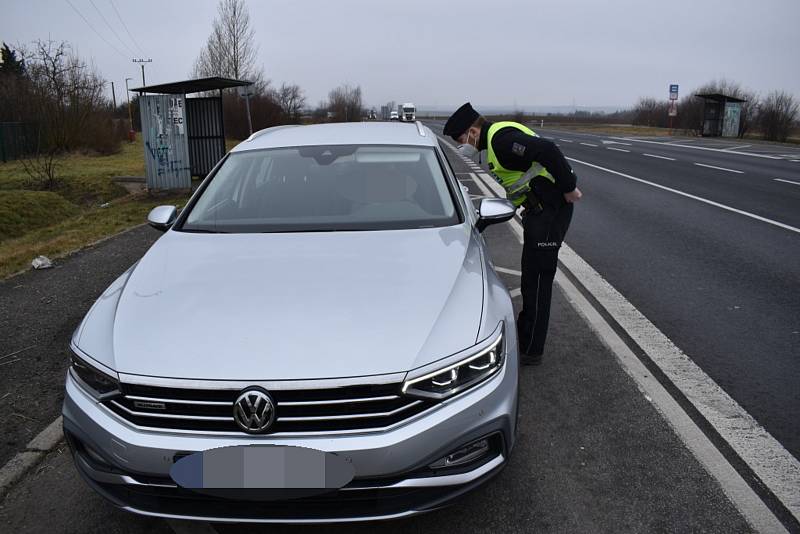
point(113, 96)
point(246, 92)
point(142, 61)
point(130, 116)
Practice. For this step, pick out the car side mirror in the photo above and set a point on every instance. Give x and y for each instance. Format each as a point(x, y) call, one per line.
point(493, 211)
point(162, 217)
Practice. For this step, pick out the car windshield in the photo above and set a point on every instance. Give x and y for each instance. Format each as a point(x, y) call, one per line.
point(325, 188)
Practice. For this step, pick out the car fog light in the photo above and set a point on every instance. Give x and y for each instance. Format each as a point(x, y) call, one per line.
point(464, 455)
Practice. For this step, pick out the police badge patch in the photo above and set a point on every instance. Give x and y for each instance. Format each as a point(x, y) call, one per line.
point(518, 149)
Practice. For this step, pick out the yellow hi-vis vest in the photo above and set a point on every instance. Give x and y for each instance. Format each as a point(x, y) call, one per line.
point(516, 183)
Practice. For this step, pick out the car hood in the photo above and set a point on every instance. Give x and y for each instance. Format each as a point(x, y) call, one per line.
point(291, 306)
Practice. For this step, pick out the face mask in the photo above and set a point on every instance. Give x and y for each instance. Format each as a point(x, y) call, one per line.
point(467, 149)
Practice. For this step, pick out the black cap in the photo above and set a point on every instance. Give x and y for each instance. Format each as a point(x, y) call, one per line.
point(460, 121)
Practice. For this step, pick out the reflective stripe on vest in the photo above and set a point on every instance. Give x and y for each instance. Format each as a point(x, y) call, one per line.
point(516, 183)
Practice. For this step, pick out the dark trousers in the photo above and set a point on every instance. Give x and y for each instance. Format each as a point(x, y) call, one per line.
point(543, 233)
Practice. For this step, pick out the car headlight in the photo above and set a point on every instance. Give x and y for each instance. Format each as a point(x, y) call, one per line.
point(462, 374)
point(99, 383)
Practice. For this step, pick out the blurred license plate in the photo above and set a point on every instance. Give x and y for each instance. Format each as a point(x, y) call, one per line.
point(270, 467)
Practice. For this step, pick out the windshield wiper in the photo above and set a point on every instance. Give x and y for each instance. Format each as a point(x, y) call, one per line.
point(201, 231)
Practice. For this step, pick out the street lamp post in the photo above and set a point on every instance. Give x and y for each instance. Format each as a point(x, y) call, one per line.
point(246, 92)
point(131, 133)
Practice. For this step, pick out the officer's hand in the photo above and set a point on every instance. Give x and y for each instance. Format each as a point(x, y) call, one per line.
point(573, 196)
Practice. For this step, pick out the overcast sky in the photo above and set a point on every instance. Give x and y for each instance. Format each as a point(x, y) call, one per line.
point(492, 52)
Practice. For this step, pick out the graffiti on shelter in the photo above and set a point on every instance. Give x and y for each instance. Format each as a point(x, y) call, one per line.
point(166, 135)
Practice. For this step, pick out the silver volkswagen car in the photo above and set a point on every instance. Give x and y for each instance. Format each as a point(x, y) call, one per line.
point(319, 336)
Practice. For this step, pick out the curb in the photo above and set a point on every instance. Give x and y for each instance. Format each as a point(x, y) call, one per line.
point(18, 466)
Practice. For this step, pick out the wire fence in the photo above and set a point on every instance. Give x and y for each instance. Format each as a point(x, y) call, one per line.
point(17, 139)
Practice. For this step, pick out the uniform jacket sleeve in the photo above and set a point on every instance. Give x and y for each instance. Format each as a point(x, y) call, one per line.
point(516, 150)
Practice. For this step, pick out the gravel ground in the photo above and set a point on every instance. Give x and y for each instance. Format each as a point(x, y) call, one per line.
point(39, 310)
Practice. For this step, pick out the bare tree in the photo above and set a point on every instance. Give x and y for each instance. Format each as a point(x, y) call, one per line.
point(777, 115)
point(265, 112)
point(291, 99)
point(345, 103)
point(231, 51)
point(64, 96)
point(43, 170)
point(650, 112)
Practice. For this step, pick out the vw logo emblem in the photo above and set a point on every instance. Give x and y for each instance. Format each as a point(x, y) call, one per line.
point(254, 411)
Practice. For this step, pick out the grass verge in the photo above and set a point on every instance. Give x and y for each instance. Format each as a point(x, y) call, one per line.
point(85, 178)
point(55, 223)
point(76, 232)
point(22, 211)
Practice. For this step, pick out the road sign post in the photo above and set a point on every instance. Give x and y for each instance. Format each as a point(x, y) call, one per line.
point(673, 104)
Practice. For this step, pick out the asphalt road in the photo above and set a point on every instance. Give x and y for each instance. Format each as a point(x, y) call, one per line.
point(39, 311)
point(593, 454)
point(722, 285)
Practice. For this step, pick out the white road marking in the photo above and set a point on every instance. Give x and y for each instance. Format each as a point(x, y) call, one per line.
point(486, 191)
point(516, 292)
point(588, 144)
point(718, 168)
point(566, 140)
point(787, 181)
point(507, 271)
point(772, 463)
point(736, 147)
point(657, 156)
point(694, 197)
point(794, 160)
point(605, 142)
point(617, 149)
point(710, 397)
point(696, 147)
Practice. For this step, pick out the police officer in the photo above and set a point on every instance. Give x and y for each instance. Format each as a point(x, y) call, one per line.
point(536, 176)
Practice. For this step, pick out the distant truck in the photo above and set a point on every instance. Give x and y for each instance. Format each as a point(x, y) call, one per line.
point(407, 112)
point(393, 116)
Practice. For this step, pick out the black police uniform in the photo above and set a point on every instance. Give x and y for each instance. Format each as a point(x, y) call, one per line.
point(545, 220)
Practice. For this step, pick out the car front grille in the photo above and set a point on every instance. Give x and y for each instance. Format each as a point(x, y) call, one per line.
point(298, 411)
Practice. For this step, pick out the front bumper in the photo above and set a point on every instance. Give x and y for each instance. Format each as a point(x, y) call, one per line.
point(130, 466)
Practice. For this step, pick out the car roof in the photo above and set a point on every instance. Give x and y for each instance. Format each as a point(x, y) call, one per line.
point(340, 133)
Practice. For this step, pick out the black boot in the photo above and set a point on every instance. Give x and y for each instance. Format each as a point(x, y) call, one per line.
point(531, 359)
